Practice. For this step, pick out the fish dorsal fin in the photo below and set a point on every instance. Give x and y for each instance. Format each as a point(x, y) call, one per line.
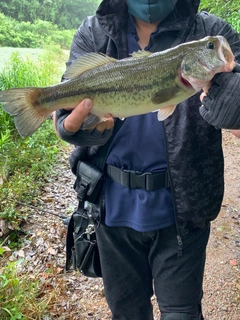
point(87, 62)
point(141, 54)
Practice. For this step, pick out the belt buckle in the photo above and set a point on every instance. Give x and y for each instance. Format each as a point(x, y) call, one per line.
point(136, 179)
point(148, 181)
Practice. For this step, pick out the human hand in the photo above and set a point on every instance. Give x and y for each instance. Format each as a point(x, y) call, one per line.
point(75, 119)
point(205, 91)
point(221, 102)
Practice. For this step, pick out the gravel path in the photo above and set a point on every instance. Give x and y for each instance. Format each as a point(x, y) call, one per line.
point(82, 298)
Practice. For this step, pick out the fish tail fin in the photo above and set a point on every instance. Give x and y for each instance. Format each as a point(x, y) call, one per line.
point(21, 103)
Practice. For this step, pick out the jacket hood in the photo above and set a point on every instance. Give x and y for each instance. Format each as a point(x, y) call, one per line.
point(182, 17)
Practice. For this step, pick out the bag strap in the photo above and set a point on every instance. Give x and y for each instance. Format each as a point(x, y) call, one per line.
point(100, 158)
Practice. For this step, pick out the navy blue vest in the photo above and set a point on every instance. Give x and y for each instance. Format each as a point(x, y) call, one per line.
point(138, 145)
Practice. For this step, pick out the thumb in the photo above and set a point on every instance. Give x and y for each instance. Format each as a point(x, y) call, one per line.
point(202, 95)
point(74, 121)
point(87, 103)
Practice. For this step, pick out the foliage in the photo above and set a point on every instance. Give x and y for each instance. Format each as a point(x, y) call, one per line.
point(25, 163)
point(226, 9)
point(222, 8)
point(69, 14)
point(65, 14)
point(234, 20)
point(21, 26)
point(32, 35)
point(15, 303)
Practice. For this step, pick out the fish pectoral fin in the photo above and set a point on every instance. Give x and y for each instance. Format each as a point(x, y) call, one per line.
point(87, 62)
point(165, 95)
point(141, 54)
point(90, 122)
point(164, 113)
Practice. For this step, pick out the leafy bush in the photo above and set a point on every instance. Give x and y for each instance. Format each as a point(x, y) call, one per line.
point(15, 303)
point(225, 9)
point(32, 35)
point(234, 20)
point(25, 163)
point(65, 14)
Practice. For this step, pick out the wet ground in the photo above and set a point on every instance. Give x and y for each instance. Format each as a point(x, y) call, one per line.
point(83, 298)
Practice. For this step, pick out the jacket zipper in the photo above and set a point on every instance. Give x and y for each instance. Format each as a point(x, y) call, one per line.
point(179, 238)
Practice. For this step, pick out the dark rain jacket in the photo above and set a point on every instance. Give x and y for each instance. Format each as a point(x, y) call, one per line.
point(194, 151)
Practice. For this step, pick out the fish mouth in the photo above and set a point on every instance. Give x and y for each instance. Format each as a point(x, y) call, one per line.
point(226, 66)
point(185, 82)
point(193, 82)
point(226, 55)
point(197, 83)
point(210, 71)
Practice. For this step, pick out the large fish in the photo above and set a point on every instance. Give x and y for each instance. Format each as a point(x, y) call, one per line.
point(140, 84)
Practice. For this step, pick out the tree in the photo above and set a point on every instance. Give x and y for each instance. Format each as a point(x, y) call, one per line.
point(226, 9)
point(66, 14)
point(221, 8)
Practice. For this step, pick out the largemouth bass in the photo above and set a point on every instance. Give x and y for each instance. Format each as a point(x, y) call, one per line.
point(143, 83)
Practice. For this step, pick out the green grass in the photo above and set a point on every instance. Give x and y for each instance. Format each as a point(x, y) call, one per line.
point(25, 297)
point(6, 52)
point(33, 55)
point(26, 163)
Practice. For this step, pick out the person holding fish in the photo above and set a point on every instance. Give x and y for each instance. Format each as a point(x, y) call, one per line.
point(164, 179)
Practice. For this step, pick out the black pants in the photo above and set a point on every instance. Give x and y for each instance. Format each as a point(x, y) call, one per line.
point(133, 263)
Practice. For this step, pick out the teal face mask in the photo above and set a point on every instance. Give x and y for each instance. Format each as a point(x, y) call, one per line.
point(150, 10)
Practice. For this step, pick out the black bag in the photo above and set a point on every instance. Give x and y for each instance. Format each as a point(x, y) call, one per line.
point(82, 250)
point(81, 246)
point(89, 182)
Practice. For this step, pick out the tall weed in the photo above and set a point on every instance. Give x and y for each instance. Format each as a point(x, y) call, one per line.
point(25, 163)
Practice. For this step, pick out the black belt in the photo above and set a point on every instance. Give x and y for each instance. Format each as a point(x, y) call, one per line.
point(135, 179)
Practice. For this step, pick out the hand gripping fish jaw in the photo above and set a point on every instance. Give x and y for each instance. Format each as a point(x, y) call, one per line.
point(199, 69)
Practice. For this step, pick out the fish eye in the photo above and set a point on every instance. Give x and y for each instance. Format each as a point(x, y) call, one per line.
point(210, 45)
point(186, 68)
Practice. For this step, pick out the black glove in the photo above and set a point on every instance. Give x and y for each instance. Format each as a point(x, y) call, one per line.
point(221, 106)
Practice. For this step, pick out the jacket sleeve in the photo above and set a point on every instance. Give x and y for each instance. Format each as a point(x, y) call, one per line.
point(81, 137)
point(221, 106)
point(82, 43)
